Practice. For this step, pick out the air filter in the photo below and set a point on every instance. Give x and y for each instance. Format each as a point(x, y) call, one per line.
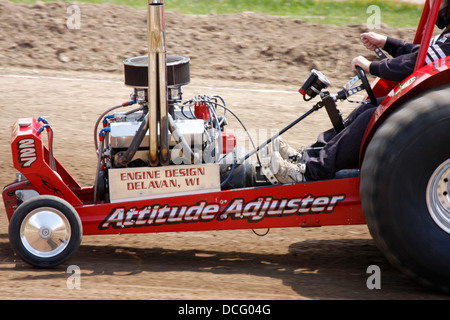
point(136, 71)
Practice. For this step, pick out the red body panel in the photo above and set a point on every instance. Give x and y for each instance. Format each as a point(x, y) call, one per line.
point(425, 30)
point(302, 205)
point(431, 76)
point(30, 157)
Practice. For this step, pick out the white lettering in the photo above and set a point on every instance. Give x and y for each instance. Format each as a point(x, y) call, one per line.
point(27, 152)
point(253, 211)
point(206, 311)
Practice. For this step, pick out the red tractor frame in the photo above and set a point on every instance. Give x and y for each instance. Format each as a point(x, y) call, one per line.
point(401, 190)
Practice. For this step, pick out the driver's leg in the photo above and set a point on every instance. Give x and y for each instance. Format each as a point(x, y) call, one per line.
point(326, 136)
point(331, 152)
point(342, 150)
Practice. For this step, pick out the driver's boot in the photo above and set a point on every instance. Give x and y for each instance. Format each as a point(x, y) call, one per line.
point(288, 153)
point(286, 171)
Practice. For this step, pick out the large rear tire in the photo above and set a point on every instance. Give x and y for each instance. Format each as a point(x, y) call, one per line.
point(45, 231)
point(405, 188)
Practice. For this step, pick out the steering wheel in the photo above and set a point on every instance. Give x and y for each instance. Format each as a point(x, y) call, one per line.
point(366, 85)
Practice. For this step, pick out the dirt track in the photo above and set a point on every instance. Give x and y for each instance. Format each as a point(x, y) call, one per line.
point(314, 263)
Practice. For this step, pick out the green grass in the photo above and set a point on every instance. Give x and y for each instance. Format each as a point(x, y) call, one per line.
point(339, 12)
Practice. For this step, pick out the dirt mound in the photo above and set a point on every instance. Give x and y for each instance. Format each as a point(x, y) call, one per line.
point(245, 46)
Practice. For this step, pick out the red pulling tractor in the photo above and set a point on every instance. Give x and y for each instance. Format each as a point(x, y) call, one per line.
point(167, 166)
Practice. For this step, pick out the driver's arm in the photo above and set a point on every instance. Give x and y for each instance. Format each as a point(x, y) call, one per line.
point(397, 47)
point(395, 69)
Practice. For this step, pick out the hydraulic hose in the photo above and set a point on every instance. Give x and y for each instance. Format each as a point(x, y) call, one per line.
point(125, 104)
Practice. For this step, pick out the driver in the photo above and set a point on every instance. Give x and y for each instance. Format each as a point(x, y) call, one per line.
point(333, 152)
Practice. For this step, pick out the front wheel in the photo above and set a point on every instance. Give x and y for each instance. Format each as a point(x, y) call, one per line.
point(405, 188)
point(45, 231)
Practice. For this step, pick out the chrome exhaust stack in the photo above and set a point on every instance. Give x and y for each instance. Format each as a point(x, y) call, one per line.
point(157, 85)
point(157, 79)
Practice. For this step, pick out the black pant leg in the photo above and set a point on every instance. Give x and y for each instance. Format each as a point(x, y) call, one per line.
point(341, 151)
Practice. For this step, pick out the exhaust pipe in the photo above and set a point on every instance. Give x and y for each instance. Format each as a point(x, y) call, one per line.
point(157, 85)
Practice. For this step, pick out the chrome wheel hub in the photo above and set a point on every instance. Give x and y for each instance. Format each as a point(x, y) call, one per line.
point(45, 232)
point(438, 196)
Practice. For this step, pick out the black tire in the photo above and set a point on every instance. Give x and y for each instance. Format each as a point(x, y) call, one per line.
point(408, 217)
point(45, 231)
